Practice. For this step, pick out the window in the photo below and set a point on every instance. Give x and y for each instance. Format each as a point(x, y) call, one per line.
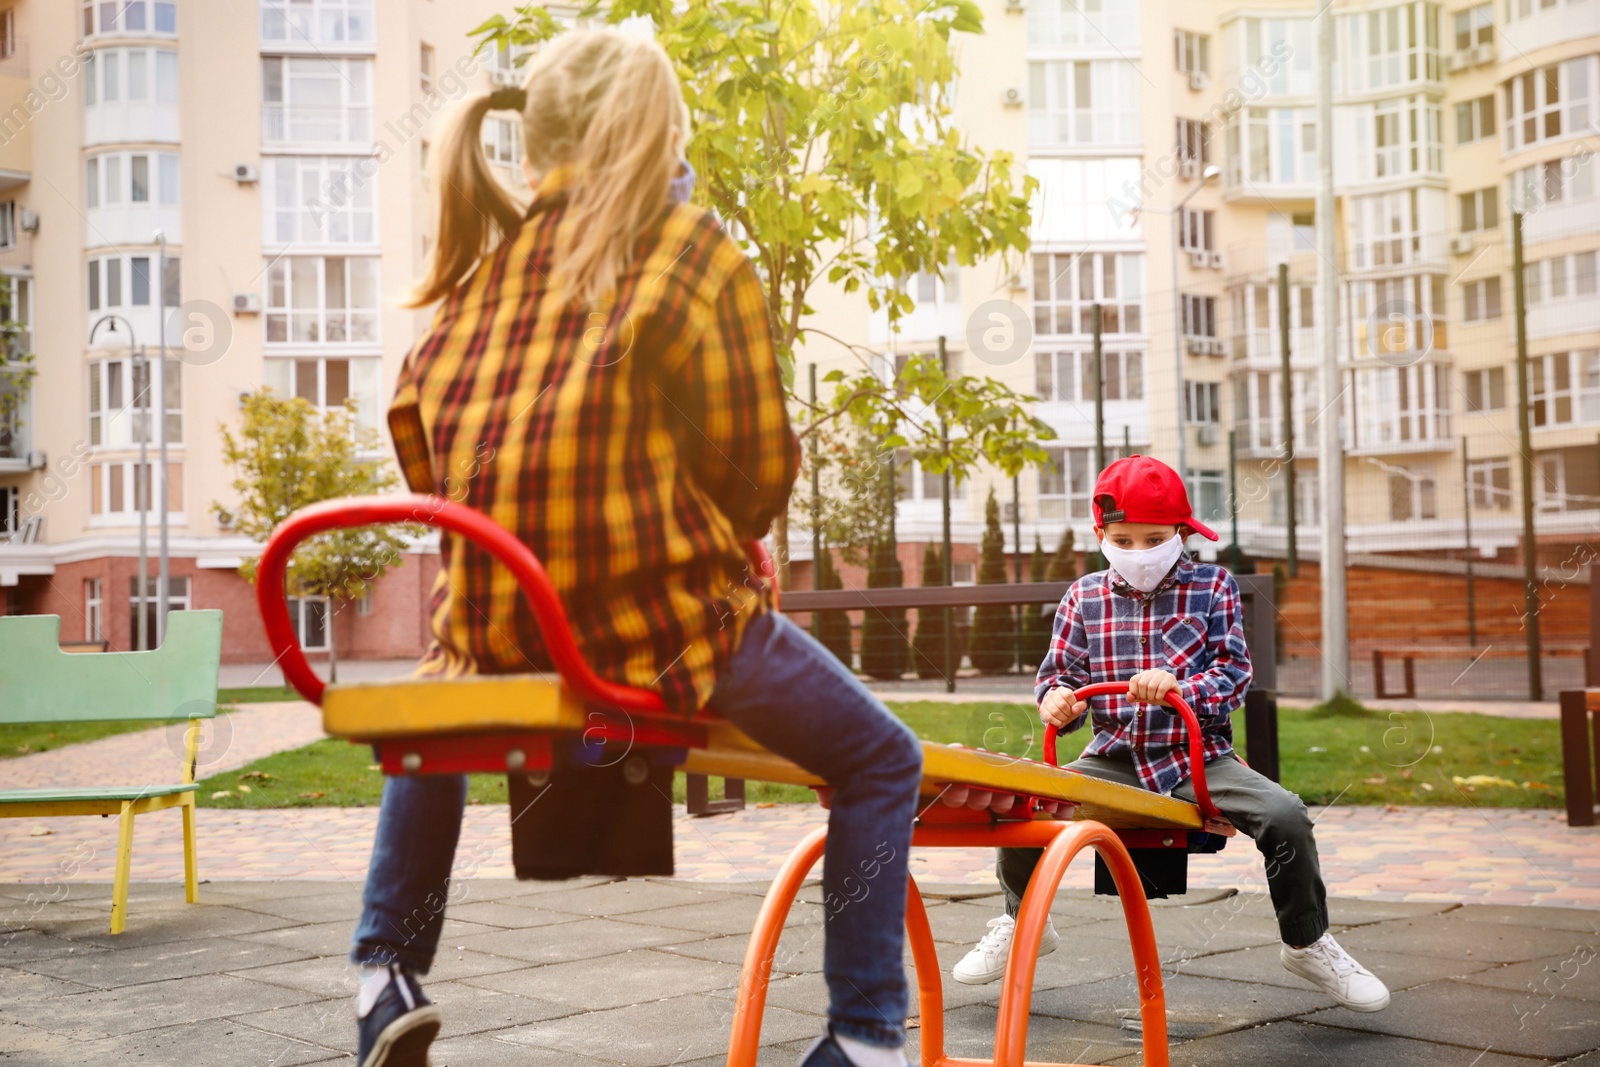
point(364, 603)
point(915, 483)
point(129, 16)
point(137, 75)
point(505, 62)
point(1480, 300)
point(309, 616)
point(114, 488)
point(311, 22)
point(1208, 490)
point(1404, 314)
point(313, 98)
point(10, 507)
point(1568, 180)
point(1202, 402)
point(1199, 315)
point(1194, 142)
point(8, 224)
point(1387, 228)
point(1564, 388)
point(1095, 23)
point(8, 33)
point(1065, 286)
point(319, 200)
point(93, 608)
point(1405, 137)
point(327, 383)
point(1065, 484)
point(1253, 42)
point(1401, 405)
point(107, 275)
point(502, 141)
point(1559, 277)
point(177, 600)
point(1475, 119)
point(1195, 230)
point(322, 300)
point(1474, 26)
point(1400, 44)
point(1412, 495)
point(1485, 389)
point(1479, 210)
point(119, 397)
point(425, 66)
point(114, 178)
point(1490, 483)
point(1550, 482)
point(1550, 102)
point(1191, 52)
point(1272, 145)
point(1069, 376)
point(1083, 102)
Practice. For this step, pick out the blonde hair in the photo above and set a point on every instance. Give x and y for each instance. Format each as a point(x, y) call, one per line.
point(601, 101)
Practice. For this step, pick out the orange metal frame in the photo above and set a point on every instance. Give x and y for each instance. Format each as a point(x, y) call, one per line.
point(938, 828)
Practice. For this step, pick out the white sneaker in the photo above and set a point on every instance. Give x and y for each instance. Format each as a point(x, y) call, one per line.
point(1331, 969)
point(987, 960)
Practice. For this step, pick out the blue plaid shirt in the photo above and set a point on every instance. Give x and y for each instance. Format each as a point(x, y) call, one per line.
point(1192, 625)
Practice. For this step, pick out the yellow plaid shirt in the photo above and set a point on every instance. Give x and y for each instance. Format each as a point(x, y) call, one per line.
point(635, 448)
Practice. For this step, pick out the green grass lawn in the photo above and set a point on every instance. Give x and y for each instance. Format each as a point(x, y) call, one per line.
point(1346, 753)
point(22, 739)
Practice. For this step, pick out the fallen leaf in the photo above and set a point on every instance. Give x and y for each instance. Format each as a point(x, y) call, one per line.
point(1406, 773)
point(242, 788)
point(263, 775)
point(23, 750)
point(221, 794)
point(374, 766)
point(1428, 786)
point(1316, 748)
point(767, 804)
point(40, 831)
point(1376, 779)
point(311, 796)
point(1391, 807)
point(1482, 779)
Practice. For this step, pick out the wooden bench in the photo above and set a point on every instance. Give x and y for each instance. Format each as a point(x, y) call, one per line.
point(84, 646)
point(1409, 654)
point(1580, 752)
point(41, 683)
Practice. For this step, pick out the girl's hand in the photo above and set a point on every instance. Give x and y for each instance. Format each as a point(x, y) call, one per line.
point(1061, 708)
point(1152, 686)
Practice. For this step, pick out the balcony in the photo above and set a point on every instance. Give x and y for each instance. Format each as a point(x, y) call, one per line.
point(16, 437)
point(1259, 348)
point(16, 125)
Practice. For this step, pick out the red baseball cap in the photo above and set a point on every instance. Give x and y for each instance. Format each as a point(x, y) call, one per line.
point(1144, 489)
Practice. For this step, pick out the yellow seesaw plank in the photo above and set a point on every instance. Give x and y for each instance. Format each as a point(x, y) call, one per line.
point(372, 711)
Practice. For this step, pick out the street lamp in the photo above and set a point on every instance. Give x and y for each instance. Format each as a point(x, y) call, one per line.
point(141, 474)
point(164, 577)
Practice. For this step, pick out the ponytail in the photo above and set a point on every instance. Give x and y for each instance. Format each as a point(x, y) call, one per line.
point(470, 199)
point(605, 103)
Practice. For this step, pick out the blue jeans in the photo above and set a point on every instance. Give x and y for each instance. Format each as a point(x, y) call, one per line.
point(790, 695)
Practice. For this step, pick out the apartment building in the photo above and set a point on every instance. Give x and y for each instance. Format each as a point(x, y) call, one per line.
point(1176, 150)
point(279, 149)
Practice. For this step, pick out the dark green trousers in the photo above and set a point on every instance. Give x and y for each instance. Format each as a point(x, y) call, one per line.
point(1259, 807)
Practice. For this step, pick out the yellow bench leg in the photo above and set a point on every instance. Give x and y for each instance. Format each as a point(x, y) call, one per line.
point(191, 868)
point(119, 887)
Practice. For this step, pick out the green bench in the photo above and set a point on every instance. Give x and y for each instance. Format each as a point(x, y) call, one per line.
point(41, 683)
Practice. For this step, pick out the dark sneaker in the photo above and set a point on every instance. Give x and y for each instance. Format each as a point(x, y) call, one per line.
point(400, 1026)
point(825, 1052)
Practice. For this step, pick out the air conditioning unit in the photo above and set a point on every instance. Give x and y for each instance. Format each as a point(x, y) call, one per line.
point(246, 173)
point(1189, 169)
point(225, 519)
point(1016, 282)
point(28, 220)
point(1461, 245)
point(1197, 346)
point(1458, 62)
point(1198, 258)
point(247, 303)
point(510, 76)
point(1219, 347)
point(37, 460)
point(1014, 5)
point(1206, 436)
point(1484, 53)
point(1217, 261)
point(1012, 97)
point(1008, 511)
point(1199, 81)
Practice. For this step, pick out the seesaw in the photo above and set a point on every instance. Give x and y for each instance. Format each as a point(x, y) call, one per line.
point(507, 724)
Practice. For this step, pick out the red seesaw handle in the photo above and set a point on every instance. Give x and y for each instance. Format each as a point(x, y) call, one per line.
point(1197, 762)
point(476, 527)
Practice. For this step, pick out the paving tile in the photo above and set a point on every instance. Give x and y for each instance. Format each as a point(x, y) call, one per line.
point(1296, 1044)
point(1196, 1006)
point(1187, 933)
point(1478, 1017)
point(595, 985)
point(310, 907)
point(1347, 911)
point(657, 1033)
point(118, 1012)
point(1451, 938)
point(1578, 919)
point(627, 897)
point(487, 1050)
point(513, 914)
point(584, 939)
point(969, 1031)
point(781, 1054)
point(20, 987)
point(19, 946)
point(1573, 974)
point(728, 913)
point(200, 1042)
point(161, 962)
point(333, 938)
point(177, 923)
point(1398, 970)
point(799, 950)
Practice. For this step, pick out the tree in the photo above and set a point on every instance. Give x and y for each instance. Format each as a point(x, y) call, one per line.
point(884, 647)
point(927, 648)
point(285, 456)
point(832, 628)
point(993, 647)
point(16, 372)
point(854, 501)
point(824, 135)
point(1064, 564)
point(1037, 619)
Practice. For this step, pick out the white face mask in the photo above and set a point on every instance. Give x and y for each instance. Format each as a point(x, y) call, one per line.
point(1143, 568)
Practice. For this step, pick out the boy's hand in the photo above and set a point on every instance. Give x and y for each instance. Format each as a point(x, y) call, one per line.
point(1061, 708)
point(1152, 686)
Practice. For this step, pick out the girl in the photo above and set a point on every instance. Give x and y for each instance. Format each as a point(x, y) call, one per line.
point(600, 379)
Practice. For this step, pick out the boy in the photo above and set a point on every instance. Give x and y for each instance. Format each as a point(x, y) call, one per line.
point(1164, 623)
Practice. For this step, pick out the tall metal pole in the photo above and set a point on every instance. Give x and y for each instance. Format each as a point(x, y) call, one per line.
point(1287, 392)
point(1530, 548)
point(1016, 523)
point(1233, 499)
point(163, 578)
point(1177, 343)
point(949, 572)
point(1330, 460)
point(1099, 392)
point(816, 512)
point(141, 489)
point(1466, 524)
